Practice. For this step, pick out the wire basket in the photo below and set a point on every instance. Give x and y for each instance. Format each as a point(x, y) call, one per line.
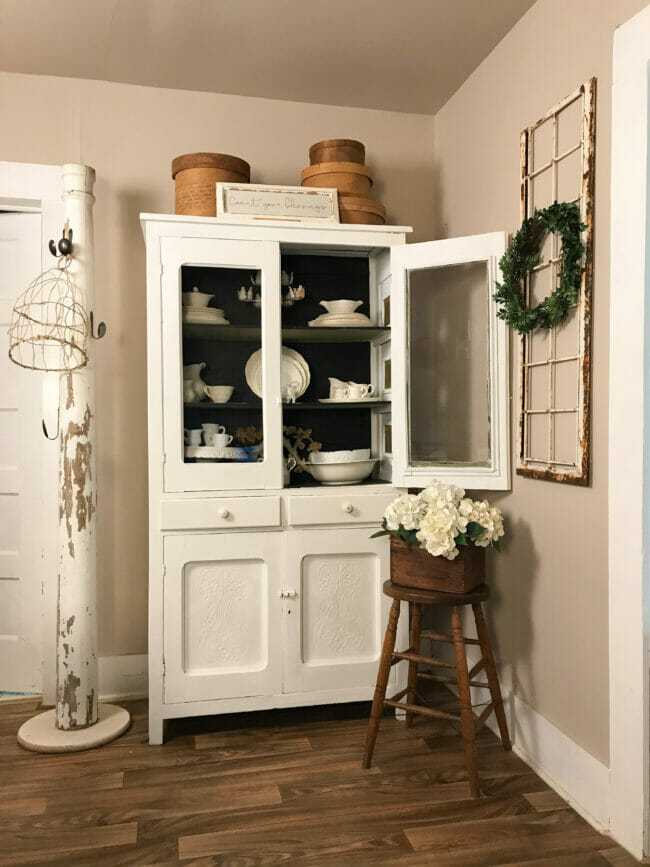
point(49, 325)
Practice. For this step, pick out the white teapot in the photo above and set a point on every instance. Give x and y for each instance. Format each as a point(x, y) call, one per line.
point(192, 374)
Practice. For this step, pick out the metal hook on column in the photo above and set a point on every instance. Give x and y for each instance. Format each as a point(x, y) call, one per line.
point(58, 427)
point(101, 328)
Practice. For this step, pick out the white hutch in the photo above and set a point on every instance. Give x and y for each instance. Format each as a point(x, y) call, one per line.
point(268, 595)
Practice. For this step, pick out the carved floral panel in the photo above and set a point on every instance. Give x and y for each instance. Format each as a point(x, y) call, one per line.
point(339, 608)
point(224, 616)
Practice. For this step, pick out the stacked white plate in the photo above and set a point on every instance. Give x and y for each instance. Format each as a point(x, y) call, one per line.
point(293, 369)
point(341, 320)
point(204, 315)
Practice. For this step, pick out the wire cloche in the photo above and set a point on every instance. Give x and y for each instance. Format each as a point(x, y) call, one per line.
point(49, 325)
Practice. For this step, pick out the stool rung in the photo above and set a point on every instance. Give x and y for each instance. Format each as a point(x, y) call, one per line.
point(480, 665)
point(425, 660)
point(482, 719)
point(436, 636)
point(423, 711)
point(398, 695)
point(442, 678)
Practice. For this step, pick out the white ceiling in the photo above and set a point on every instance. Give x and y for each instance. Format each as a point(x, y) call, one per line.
point(402, 55)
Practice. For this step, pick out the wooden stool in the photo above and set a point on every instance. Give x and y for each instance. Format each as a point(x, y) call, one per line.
point(464, 678)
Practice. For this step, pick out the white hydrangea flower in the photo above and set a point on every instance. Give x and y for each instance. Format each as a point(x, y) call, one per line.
point(438, 530)
point(405, 511)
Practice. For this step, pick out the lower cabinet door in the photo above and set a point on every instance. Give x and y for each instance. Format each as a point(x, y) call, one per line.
point(335, 622)
point(222, 614)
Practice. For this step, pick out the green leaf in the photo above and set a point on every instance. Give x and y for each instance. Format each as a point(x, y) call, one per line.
point(380, 533)
point(496, 545)
point(474, 529)
point(461, 539)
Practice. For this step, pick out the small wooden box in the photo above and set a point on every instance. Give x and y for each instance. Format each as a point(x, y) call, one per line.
point(411, 566)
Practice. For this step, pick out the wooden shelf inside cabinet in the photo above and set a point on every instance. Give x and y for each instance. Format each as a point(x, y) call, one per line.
point(208, 404)
point(344, 404)
point(301, 334)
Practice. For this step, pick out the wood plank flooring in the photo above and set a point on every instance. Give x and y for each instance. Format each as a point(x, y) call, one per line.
point(284, 787)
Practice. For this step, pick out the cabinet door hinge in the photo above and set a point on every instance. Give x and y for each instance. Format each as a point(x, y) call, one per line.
point(164, 668)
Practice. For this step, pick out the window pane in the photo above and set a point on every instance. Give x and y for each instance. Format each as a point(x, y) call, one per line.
point(221, 331)
point(449, 400)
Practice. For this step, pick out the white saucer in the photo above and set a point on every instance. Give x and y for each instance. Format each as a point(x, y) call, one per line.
point(350, 399)
point(341, 320)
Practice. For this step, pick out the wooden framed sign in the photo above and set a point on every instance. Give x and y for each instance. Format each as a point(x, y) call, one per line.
point(265, 202)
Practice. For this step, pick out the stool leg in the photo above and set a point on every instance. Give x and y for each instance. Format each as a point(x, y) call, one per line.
point(382, 679)
point(413, 666)
point(491, 671)
point(466, 715)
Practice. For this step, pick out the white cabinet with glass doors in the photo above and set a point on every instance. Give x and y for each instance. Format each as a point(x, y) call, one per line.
point(236, 549)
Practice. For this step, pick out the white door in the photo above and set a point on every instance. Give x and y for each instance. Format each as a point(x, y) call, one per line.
point(450, 375)
point(199, 345)
point(22, 448)
point(334, 610)
point(222, 631)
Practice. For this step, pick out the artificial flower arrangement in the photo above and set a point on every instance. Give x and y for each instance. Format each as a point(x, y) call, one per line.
point(441, 519)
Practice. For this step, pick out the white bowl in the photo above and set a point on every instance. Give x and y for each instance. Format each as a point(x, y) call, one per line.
point(342, 305)
point(340, 457)
point(219, 393)
point(348, 473)
point(196, 299)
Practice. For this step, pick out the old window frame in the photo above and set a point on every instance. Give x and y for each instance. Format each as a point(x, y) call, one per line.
point(535, 466)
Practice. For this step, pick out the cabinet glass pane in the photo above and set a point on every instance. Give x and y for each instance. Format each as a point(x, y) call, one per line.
point(448, 365)
point(221, 335)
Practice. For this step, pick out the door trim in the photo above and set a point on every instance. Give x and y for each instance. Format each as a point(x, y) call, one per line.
point(34, 188)
point(629, 439)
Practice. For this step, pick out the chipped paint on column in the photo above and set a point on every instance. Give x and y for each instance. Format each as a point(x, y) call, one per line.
point(77, 590)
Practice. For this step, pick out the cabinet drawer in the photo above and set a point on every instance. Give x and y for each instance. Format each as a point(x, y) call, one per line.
point(355, 509)
point(222, 513)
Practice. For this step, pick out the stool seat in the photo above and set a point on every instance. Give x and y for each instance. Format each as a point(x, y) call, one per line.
point(406, 699)
point(436, 597)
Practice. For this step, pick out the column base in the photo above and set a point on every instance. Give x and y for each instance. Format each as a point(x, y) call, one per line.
point(41, 735)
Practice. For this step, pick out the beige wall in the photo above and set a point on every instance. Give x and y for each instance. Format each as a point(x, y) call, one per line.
point(550, 611)
point(130, 134)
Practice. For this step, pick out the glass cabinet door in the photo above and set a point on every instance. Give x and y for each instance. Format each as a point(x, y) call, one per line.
point(450, 365)
point(221, 363)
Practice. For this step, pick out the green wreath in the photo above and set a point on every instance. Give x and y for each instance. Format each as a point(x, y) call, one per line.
point(523, 254)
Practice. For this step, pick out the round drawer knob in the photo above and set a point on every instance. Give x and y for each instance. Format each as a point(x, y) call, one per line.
point(224, 513)
point(348, 507)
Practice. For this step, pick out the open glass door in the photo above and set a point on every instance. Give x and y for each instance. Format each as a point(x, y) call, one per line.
point(450, 365)
point(221, 365)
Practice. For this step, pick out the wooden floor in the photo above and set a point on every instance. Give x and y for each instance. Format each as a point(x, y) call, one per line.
point(283, 788)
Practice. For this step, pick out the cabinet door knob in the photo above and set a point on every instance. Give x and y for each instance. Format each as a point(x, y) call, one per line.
point(348, 507)
point(224, 513)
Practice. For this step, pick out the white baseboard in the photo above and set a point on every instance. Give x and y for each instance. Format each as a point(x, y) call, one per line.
point(574, 773)
point(123, 677)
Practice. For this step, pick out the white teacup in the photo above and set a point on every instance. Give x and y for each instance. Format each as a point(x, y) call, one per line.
point(210, 429)
point(339, 392)
point(193, 437)
point(218, 440)
point(219, 393)
point(358, 390)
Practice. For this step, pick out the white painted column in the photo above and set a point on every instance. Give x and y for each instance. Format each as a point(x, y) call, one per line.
point(77, 722)
point(77, 672)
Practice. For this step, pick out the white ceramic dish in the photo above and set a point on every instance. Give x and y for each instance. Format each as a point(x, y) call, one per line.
point(342, 305)
point(349, 399)
point(293, 369)
point(219, 393)
point(348, 473)
point(210, 453)
point(340, 320)
point(340, 457)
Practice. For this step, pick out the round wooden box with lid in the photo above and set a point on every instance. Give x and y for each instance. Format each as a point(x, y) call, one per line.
point(350, 179)
point(196, 176)
point(354, 209)
point(337, 150)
